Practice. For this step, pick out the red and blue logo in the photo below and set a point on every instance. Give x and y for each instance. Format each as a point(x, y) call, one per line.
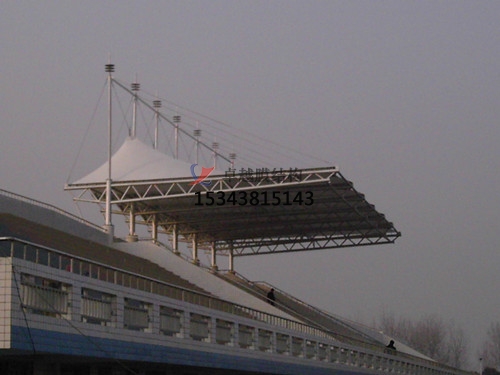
point(201, 179)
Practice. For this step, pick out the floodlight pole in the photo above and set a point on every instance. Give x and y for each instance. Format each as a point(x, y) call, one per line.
point(177, 120)
point(197, 134)
point(157, 106)
point(215, 147)
point(108, 226)
point(232, 157)
point(135, 88)
point(132, 237)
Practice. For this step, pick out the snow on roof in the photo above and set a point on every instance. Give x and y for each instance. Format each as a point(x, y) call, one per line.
point(136, 161)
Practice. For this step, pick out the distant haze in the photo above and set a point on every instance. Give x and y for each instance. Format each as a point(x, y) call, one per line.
point(403, 96)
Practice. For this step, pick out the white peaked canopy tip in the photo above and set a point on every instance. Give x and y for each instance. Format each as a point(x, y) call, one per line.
point(135, 161)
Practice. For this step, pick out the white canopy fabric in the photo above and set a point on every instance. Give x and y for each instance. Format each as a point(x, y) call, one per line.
point(136, 161)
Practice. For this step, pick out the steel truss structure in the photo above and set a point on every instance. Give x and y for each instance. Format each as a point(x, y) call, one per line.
point(295, 210)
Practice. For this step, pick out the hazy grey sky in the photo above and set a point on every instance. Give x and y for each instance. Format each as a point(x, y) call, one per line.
point(403, 96)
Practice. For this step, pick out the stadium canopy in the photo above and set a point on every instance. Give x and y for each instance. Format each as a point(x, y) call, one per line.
point(239, 214)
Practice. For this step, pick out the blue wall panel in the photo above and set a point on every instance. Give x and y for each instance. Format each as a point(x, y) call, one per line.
point(45, 341)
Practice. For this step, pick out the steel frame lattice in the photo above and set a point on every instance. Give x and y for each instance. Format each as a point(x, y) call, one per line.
point(339, 217)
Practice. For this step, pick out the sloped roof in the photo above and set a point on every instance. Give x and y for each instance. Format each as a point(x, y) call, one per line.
point(136, 161)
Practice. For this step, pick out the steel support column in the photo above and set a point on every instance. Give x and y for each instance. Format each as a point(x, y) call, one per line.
point(175, 239)
point(195, 249)
point(231, 257)
point(132, 237)
point(154, 228)
point(213, 250)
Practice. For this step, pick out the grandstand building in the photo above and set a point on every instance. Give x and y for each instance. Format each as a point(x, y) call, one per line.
point(77, 299)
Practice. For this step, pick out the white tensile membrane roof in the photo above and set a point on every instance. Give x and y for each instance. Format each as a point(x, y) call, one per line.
point(136, 161)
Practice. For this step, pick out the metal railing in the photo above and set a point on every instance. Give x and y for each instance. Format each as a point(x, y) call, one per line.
point(247, 284)
point(44, 298)
point(249, 287)
point(96, 309)
point(319, 312)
